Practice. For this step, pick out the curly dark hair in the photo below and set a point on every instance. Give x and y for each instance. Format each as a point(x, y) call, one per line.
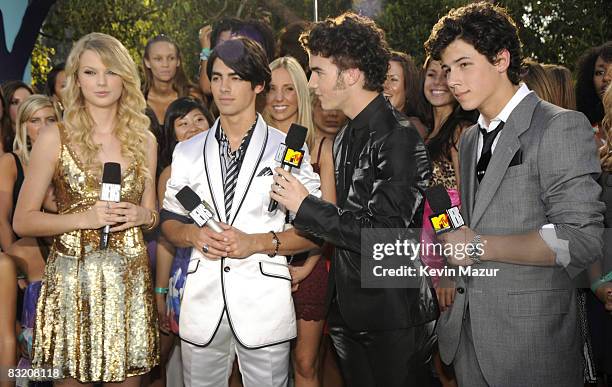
point(487, 27)
point(587, 99)
point(351, 41)
point(246, 57)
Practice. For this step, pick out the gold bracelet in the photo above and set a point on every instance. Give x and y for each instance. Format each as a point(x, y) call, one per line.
point(151, 224)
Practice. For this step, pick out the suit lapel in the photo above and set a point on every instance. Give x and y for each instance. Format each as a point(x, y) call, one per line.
point(507, 145)
point(469, 148)
point(251, 160)
point(214, 175)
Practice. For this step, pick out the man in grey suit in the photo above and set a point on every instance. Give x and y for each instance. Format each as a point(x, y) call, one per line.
point(530, 197)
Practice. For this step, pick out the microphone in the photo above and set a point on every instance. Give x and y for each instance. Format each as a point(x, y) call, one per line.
point(110, 192)
point(199, 210)
point(290, 154)
point(445, 217)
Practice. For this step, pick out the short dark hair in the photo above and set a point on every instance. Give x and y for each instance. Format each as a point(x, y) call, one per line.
point(246, 57)
point(289, 43)
point(51, 78)
point(487, 27)
point(351, 41)
point(261, 33)
point(231, 24)
point(166, 139)
point(587, 99)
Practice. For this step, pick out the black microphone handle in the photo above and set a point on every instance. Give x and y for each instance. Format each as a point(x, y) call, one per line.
point(273, 203)
point(104, 237)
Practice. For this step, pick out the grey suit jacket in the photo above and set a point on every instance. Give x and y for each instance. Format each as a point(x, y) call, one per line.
point(523, 320)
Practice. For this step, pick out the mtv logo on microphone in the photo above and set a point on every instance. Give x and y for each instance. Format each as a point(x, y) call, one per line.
point(293, 157)
point(447, 221)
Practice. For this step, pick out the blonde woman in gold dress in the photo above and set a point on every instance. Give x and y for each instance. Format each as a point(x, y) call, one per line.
point(95, 317)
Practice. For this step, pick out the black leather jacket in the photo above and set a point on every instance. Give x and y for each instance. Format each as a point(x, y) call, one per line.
point(382, 170)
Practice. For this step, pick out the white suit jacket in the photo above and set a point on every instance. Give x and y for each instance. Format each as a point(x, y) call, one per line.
point(255, 291)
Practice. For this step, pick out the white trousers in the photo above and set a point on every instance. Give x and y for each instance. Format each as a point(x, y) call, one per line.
point(211, 366)
point(174, 369)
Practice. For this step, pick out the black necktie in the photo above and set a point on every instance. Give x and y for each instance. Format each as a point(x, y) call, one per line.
point(345, 163)
point(485, 155)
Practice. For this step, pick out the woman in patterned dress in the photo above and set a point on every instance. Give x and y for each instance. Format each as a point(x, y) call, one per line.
point(95, 318)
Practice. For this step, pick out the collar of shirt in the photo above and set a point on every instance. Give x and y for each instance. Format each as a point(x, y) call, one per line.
point(362, 119)
point(521, 93)
point(224, 142)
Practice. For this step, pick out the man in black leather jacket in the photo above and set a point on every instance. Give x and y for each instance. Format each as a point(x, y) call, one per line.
point(382, 169)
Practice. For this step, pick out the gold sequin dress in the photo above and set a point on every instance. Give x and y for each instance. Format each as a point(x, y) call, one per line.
point(95, 318)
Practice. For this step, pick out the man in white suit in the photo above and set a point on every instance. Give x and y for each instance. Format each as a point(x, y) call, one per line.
point(237, 297)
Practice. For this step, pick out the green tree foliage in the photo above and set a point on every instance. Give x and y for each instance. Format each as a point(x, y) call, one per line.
point(553, 31)
point(133, 22)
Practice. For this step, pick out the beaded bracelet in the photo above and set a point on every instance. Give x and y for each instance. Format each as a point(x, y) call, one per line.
point(161, 290)
point(606, 278)
point(276, 242)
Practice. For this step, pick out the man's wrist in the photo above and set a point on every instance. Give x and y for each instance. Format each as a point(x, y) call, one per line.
point(191, 234)
point(275, 244)
point(476, 252)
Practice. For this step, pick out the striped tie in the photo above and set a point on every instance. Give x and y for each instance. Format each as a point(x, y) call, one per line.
point(230, 185)
point(231, 163)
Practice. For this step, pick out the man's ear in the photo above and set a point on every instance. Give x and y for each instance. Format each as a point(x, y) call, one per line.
point(502, 60)
point(352, 76)
point(259, 88)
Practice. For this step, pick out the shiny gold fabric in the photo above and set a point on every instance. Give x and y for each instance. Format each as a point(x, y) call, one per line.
point(95, 316)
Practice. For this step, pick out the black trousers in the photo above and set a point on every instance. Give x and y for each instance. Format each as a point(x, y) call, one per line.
point(379, 358)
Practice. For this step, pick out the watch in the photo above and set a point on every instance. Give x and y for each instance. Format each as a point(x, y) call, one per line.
point(474, 253)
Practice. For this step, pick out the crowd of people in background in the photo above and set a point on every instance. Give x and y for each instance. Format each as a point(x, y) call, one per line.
point(43, 195)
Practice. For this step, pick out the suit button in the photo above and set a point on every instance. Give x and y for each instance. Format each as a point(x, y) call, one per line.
point(460, 290)
point(226, 269)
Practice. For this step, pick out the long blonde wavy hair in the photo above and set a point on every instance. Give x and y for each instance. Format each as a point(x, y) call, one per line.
point(29, 107)
point(298, 77)
point(605, 151)
point(132, 128)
